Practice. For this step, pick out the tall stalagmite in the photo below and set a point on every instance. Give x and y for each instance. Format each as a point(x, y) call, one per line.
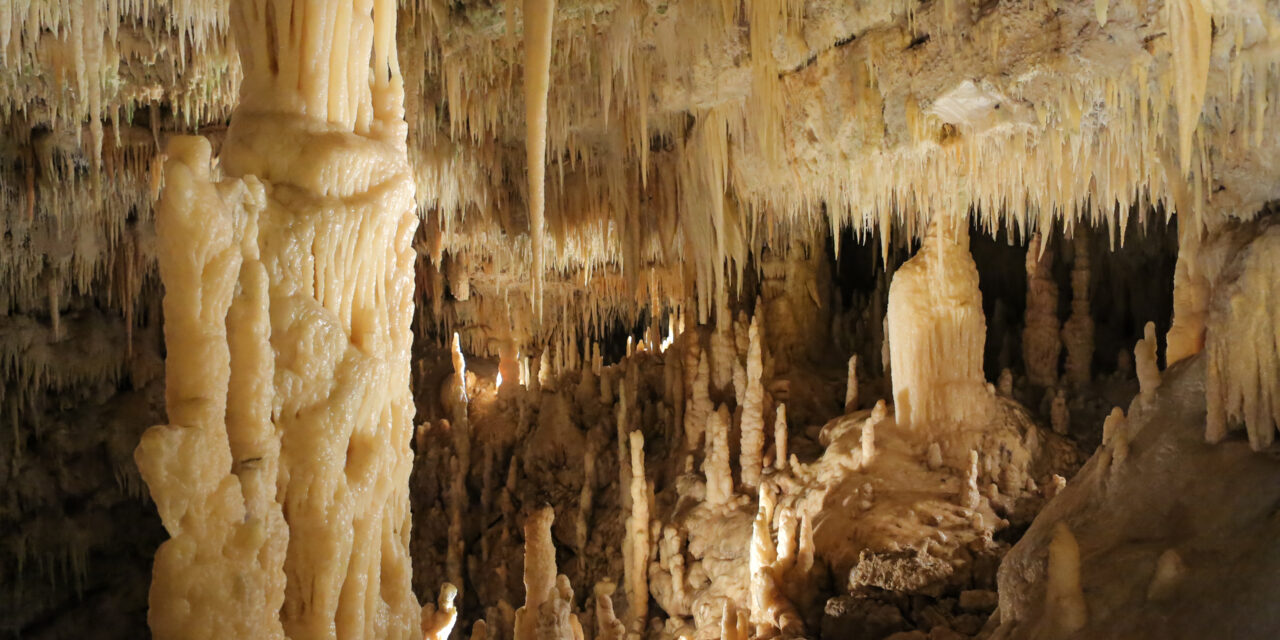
point(1041, 344)
point(937, 331)
point(299, 403)
point(1077, 332)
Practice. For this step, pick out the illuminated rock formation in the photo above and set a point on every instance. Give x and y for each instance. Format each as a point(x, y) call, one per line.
point(562, 295)
point(936, 333)
point(309, 360)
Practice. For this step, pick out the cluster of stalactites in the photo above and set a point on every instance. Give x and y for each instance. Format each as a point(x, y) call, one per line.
point(1242, 332)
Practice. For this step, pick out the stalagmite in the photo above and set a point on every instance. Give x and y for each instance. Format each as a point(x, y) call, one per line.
point(459, 274)
point(868, 438)
point(1005, 383)
point(331, 392)
point(541, 595)
point(780, 437)
point(752, 447)
point(1113, 426)
point(622, 427)
point(55, 306)
point(209, 513)
point(608, 627)
point(716, 464)
point(455, 554)
point(723, 354)
point(1144, 356)
point(637, 564)
point(1190, 301)
point(1059, 415)
point(734, 623)
point(763, 554)
point(1040, 342)
point(1168, 574)
point(545, 376)
point(700, 408)
point(1077, 332)
point(936, 333)
point(438, 620)
point(971, 498)
point(851, 386)
point(539, 23)
point(1066, 612)
point(1124, 363)
point(933, 456)
point(586, 497)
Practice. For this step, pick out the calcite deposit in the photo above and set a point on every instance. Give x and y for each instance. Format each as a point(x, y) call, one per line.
point(639, 319)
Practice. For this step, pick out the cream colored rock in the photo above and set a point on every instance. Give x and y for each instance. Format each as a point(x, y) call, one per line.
point(1066, 611)
point(545, 613)
point(780, 437)
point(716, 463)
point(637, 560)
point(1144, 355)
point(438, 620)
point(851, 386)
point(752, 445)
point(326, 272)
point(608, 627)
point(936, 332)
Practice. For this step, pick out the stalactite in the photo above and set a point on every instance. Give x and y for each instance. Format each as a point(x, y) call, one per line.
point(1040, 342)
point(1242, 351)
point(1191, 31)
point(539, 26)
